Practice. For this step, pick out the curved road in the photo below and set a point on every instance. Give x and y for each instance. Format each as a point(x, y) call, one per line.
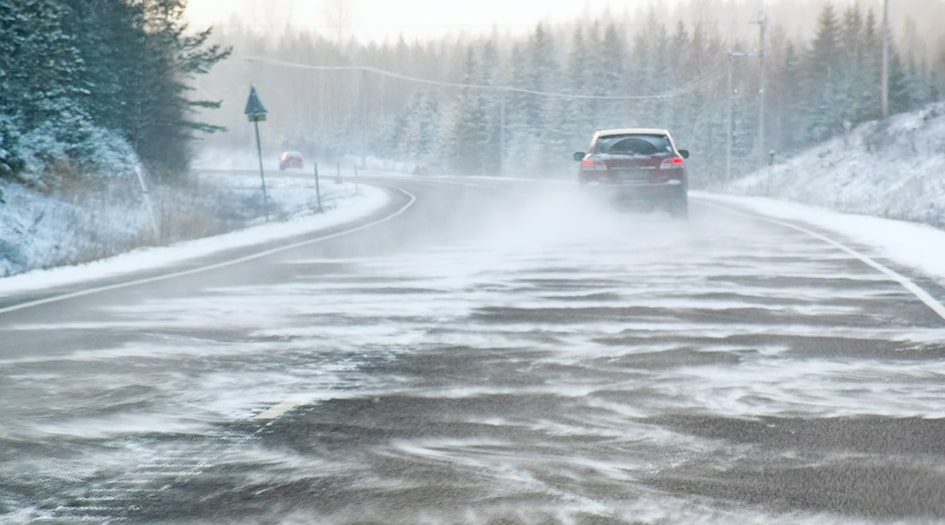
point(484, 351)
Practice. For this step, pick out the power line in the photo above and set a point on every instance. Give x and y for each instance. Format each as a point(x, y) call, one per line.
point(691, 86)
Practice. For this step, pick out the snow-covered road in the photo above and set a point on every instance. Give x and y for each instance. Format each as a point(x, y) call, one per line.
point(523, 359)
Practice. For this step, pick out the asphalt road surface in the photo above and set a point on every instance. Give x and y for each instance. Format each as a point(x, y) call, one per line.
point(483, 352)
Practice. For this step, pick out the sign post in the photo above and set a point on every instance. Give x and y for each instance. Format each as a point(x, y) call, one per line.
point(318, 190)
point(256, 112)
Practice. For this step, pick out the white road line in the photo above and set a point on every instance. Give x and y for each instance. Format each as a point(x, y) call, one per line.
point(224, 264)
point(905, 282)
point(276, 411)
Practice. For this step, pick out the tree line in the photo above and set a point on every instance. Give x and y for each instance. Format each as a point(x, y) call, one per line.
point(89, 88)
point(520, 105)
point(90, 85)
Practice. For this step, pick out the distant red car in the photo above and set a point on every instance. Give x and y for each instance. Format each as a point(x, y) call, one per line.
point(637, 166)
point(291, 159)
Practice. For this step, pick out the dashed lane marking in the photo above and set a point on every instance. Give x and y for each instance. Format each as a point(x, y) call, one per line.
point(276, 411)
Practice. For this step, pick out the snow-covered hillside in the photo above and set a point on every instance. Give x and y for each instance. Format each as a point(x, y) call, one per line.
point(893, 169)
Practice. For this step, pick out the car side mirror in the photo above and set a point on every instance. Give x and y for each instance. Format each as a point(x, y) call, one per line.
point(684, 153)
point(579, 156)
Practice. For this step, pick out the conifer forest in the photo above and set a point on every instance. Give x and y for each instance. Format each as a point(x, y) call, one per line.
point(86, 84)
point(90, 88)
point(522, 104)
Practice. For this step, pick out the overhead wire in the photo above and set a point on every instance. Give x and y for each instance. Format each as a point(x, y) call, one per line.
point(689, 87)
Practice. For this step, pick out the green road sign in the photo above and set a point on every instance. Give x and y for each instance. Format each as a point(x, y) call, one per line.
point(255, 110)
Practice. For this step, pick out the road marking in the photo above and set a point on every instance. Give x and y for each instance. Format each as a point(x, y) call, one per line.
point(216, 266)
point(904, 281)
point(276, 411)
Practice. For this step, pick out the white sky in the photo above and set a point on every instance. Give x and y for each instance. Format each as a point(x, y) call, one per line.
point(380, 19)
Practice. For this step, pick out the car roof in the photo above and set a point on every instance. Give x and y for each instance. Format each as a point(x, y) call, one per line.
point(631, 131)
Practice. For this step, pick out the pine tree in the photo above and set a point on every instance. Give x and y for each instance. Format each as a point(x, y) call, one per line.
point(490, 157)
point(702, 118)
point(470, 131)
point(519, 132)
point(824, 79)
point(610, 79)
point(167, 58)
point(902, 85)
point(870, 69)
point(38, 61)
point(679, 116)
point(540, 75)
point(38, 64)
point(101, 29)
point(792, 102)
point(71, 68)
point(578, 112)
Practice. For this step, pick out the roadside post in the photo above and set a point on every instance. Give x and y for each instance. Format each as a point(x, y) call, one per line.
point(256, 113)
point(318, 191)
point(150, 205)
point(771, 155)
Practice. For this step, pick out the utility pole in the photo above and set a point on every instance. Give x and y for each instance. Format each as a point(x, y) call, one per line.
point(762, 154)
point(502, 134)
point(884, 82)
point(362, 117)
point(731, 114)
point(762, 27)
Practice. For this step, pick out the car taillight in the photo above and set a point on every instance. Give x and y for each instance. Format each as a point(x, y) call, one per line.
point(675, 162)
point(593, 165)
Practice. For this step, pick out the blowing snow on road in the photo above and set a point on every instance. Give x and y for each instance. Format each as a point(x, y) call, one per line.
point(515, 363)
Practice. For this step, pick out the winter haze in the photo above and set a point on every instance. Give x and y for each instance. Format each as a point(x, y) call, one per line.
point(407, 289)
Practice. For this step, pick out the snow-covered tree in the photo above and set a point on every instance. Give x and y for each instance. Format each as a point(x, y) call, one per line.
point(824, 78)
point(72, 68)
point(468, 131)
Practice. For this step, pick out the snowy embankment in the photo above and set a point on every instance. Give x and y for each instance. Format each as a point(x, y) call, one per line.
point(893, 169)
point(881, 185)
point(38, 232)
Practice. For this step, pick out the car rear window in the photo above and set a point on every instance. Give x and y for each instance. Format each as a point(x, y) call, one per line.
point(633, 145)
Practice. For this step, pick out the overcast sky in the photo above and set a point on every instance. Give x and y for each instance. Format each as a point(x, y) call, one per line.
point(379, 19)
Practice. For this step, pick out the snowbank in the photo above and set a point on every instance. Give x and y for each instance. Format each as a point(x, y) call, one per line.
point(893, 169)
point(343, 202)
point(37, 231)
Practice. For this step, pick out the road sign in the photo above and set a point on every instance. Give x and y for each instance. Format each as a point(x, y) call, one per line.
point(255, 110)
point(256, 113)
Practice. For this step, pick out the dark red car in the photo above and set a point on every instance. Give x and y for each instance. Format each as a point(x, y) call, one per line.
point(291, 159)
point(637, 166)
